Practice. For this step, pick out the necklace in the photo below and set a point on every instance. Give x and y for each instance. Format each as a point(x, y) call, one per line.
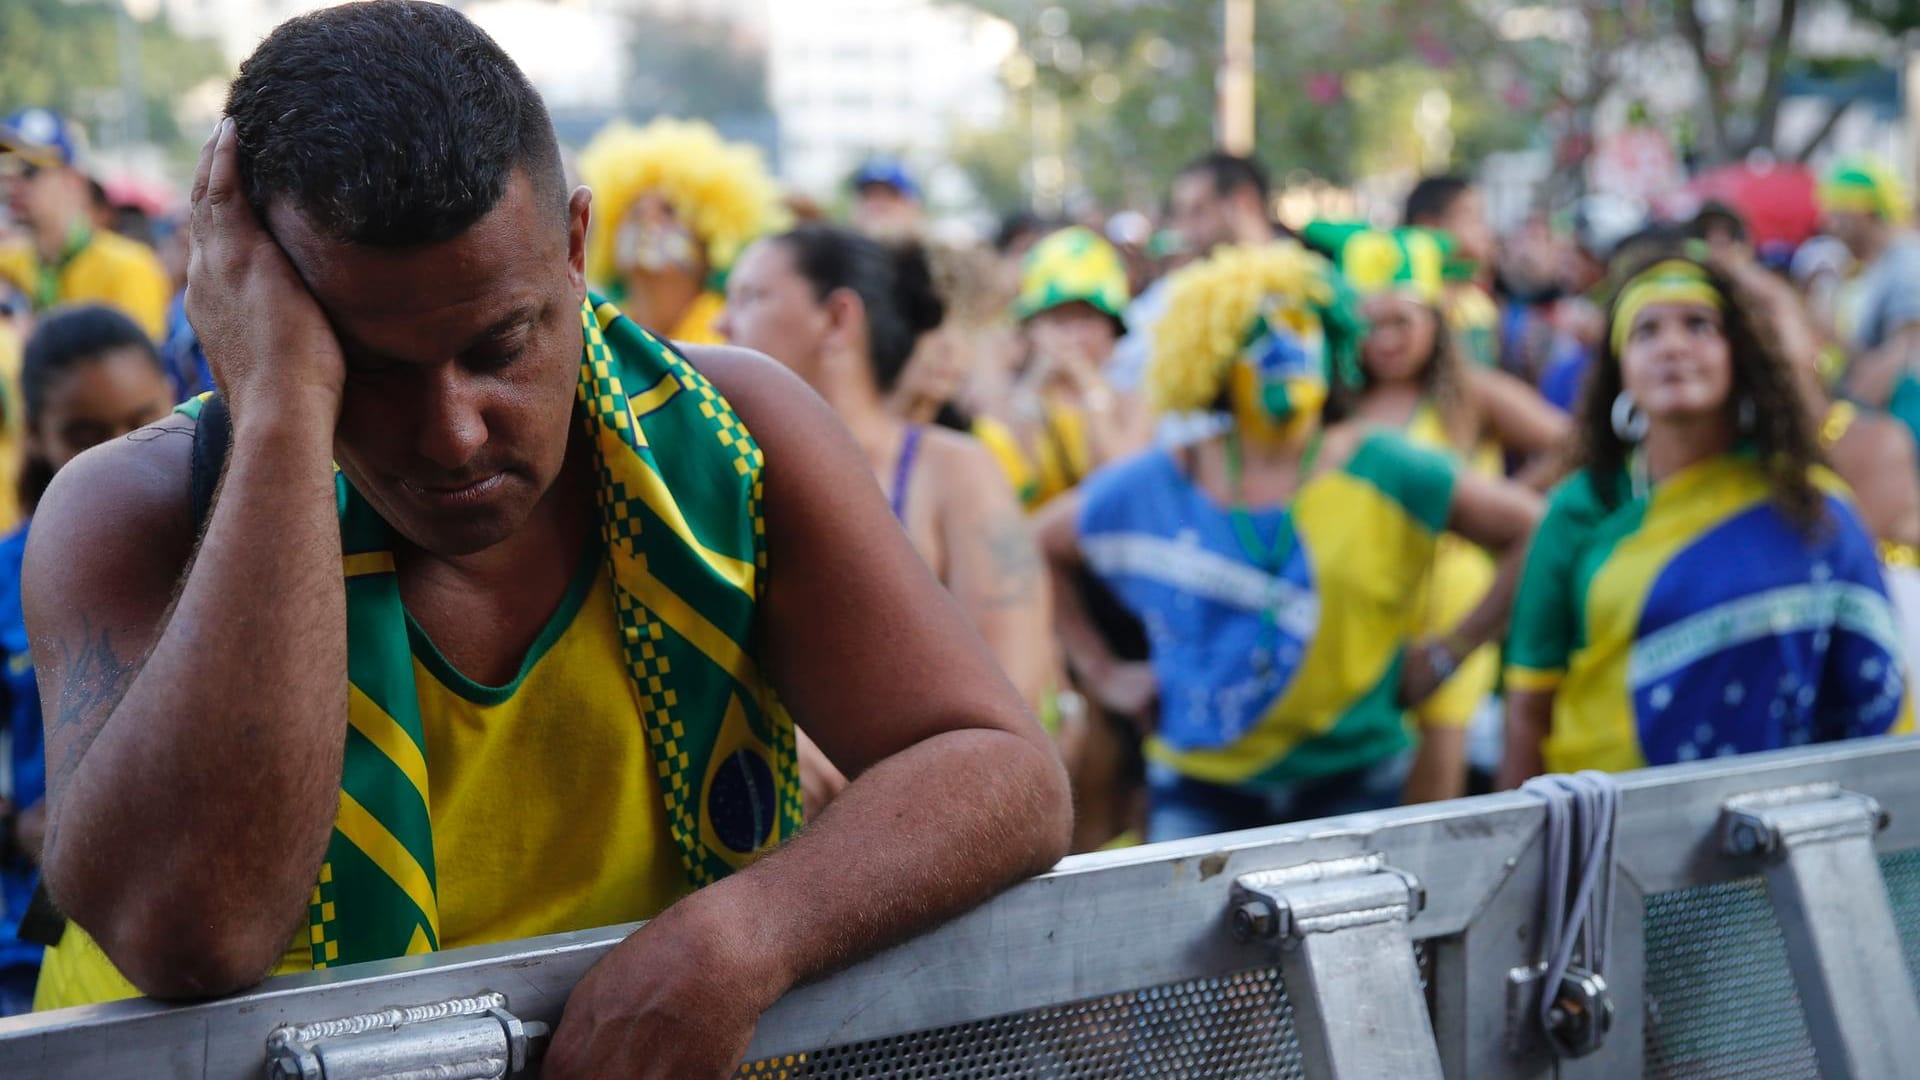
point(1269, 557)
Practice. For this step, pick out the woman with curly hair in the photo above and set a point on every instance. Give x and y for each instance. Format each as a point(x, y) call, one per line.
point(1701, 586)
point(673, 206)
point(1277, 566)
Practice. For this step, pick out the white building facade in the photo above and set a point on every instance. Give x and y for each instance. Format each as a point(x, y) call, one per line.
point(850, 79)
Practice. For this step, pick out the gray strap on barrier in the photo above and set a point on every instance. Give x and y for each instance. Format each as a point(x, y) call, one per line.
point(1578, 899)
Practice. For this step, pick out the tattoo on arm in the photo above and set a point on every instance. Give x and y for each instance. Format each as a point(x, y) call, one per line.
point(1014, 572)
point(93, 680)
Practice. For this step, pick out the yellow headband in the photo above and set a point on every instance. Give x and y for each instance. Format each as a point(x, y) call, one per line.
point(1674, 281)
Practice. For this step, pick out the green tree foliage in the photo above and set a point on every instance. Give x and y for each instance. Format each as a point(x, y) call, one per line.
point(1896, 16)
point(1339, 82)
point(1135, 83)
point(66, 55)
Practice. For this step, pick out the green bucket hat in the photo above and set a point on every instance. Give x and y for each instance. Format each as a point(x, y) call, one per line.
point(1410, 260)
point(1072, 266)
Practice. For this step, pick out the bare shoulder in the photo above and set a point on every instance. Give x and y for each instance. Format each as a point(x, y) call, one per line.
point(114, 517)
point(1877, 440)
point(963, 461)
point(761, 390)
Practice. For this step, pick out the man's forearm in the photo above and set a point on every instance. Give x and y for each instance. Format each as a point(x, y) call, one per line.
point(919, 838)
point(230, 733)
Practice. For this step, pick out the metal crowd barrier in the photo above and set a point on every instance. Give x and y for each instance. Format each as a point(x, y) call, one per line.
point(1766, 923)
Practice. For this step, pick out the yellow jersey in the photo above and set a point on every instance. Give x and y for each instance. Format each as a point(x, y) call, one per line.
point(99, 267)
point(546, 809)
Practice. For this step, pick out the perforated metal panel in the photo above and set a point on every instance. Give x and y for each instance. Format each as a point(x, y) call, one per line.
point(1902, 871)
point(1720, 996)
point(1235, 1027)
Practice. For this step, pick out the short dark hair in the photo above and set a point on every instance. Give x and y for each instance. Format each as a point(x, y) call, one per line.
point(1432, 197)
point(1715, 212)
point(894, 283)
point(393, 124)
point(64, 340)
point(1229, 173)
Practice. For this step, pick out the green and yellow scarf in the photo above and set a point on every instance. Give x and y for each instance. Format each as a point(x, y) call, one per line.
point(685, 544)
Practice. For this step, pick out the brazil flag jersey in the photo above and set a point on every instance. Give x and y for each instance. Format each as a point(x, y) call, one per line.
point(1274, 674)
point(1697, 621)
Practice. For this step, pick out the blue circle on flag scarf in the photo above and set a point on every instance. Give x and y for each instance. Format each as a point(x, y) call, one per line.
point(742, 802)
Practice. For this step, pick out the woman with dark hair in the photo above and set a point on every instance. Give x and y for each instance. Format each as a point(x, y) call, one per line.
point(845, 312)
point(1411, 377)
point(1701, 586)
point(89, 374)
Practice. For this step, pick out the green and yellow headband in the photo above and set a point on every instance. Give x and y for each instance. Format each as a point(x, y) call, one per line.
point(1672, 281)
point(1866, 186)
point(1410, 261)
point(1072, 266)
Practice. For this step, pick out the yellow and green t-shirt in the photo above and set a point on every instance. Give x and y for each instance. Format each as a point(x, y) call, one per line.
point(546, 810)
point(639, 724)
point(1697, 621)
point(97, 267)
point(1271, 674)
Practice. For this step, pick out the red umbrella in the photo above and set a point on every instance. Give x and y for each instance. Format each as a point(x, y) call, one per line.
point(141, 193)
point(1776, 199)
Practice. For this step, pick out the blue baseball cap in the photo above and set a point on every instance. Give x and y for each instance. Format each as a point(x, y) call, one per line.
point(41, 137)
point(886, 171)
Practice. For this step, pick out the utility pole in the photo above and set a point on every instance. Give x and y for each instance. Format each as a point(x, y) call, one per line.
point(1235, 119)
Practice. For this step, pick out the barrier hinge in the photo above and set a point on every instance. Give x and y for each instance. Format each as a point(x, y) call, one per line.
point(1346, 955)
point(1814, 843)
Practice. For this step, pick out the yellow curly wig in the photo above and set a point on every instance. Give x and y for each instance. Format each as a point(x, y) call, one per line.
point(1212, 304)
point(721, 190)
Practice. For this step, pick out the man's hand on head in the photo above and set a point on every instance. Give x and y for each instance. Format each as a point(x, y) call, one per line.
point(272, 351)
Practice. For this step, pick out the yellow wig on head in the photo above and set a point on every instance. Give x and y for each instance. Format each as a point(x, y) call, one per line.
point(1213, 304)
point(721, 191)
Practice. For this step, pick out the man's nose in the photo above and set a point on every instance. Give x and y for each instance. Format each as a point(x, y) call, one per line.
point(452, 428)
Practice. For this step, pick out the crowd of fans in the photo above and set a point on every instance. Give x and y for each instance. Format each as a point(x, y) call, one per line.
point(1262, 524)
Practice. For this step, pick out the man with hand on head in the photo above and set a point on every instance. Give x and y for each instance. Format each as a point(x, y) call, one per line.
point(522, 663)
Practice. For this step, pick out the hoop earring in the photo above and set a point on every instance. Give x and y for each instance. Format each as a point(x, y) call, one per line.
point(1744, 417)
point(1628, 421)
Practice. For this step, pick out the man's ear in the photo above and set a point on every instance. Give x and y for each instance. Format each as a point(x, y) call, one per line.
point(579, 215)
